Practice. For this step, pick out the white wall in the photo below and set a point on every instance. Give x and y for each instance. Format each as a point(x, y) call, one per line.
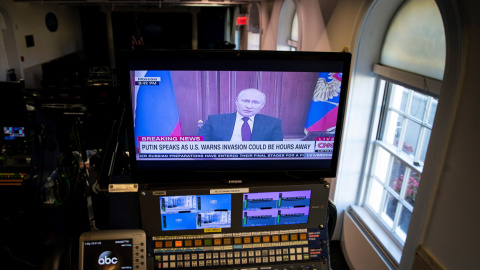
point(269, 37)
point(315, 36)
point(449, 229)
point(343, 23)
point(446, 215)
point(451, 232)
point(29, 19)
point(447, 225)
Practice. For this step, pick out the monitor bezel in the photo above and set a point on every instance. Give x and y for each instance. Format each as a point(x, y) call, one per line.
point(201, 170)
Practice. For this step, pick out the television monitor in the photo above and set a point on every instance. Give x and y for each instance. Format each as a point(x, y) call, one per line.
point(173, 210)
point(183, 107)
point(15, 122)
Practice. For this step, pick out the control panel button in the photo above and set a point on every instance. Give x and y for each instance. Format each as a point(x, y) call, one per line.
point(227, 241)
point(237, 241)
point(207, 242)
point(266, 238)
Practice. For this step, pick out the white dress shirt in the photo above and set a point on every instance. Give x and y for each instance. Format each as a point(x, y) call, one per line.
point(237, 130)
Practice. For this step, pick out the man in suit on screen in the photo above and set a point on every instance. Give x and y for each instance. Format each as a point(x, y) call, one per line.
point(244, 125)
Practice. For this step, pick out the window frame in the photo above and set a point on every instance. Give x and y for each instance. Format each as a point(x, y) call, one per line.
point(348, 187)
point(385, 78)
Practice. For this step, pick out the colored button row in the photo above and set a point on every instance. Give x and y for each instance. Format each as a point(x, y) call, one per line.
point(230, 241)
point(232, 258)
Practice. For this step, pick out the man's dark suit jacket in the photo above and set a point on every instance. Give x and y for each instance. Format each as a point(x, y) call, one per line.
point(220, 127)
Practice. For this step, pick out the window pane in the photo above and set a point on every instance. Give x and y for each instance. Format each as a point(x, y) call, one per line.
point(396, 176)
point(294, 34)
point(389, 210)
point(382, 159)
point(431, 114)
point(412, 133)
point(418, 106)
point(375, 195)
point(426, 140)
point(412, 187)
point(393, 127)
point(253, 41)
point(415, 40)
point(403, 223)
point(398, 99)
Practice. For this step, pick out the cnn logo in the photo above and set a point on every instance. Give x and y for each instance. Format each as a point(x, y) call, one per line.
point(324, 145)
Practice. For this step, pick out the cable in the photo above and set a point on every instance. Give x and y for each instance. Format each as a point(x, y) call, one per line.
point(68, 170)
point(19, 260)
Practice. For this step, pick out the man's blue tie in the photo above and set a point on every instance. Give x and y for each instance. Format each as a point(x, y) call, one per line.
point(246, 132)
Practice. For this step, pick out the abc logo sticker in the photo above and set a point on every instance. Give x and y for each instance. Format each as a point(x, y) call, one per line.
point(107, 261)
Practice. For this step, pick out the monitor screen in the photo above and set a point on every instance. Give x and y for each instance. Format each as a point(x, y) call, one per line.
point(248, 112)
point(108, 254)
point(11, 133)
point(195, 212)
point(224, 209)
point(276, 208)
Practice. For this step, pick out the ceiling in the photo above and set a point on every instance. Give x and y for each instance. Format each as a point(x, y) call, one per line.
point(159, 3)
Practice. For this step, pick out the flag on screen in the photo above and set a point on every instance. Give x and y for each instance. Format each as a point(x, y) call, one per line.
point(322, 115)
point(156, 112)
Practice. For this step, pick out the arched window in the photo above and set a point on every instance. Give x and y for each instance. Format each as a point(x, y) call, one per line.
point(8, 53)
point(415, 40)
point(254, 28)
point(414, 44)
point(397, 103)
point(287, 38)
point(293, 41)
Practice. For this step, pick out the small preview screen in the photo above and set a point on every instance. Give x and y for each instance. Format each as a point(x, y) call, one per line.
point(276, 208)
point(190, 212)
point(108, 254)
point(10, 133)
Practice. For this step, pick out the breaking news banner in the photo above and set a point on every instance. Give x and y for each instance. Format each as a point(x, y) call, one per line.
point(147, 80)
point(194, 147)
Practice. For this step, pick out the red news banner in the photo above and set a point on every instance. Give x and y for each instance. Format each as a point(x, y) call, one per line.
point(155, 146)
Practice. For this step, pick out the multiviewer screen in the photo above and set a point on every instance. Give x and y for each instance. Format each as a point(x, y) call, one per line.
point(195, 212)
point(276, 208)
